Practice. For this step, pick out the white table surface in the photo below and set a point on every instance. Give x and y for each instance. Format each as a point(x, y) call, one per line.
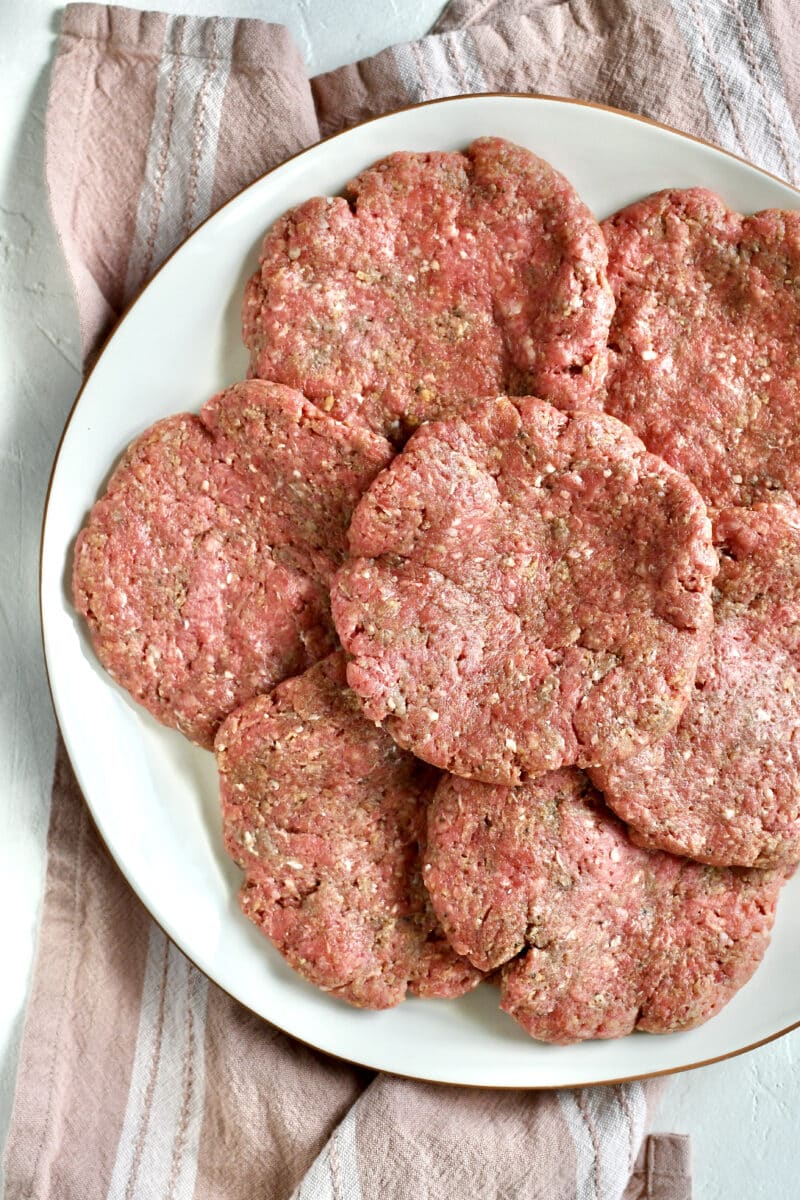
point(742, 1114)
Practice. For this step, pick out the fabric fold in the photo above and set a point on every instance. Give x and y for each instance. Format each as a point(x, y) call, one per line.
point(153, 122)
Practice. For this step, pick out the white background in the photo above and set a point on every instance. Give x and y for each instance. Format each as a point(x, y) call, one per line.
point(743, 1114)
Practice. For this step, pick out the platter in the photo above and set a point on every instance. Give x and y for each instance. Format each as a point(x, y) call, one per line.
point(152, 795)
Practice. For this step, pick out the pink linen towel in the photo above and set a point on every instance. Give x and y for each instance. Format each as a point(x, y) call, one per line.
point(138, 1077)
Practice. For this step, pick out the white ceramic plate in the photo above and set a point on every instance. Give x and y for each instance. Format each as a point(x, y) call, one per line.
point(152, 795)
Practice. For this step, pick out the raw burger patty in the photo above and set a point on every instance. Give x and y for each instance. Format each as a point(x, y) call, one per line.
point(532, 590)
point(439, 276)
point(600, 937)
point(706, 361)
point(724, 786)
point(203, 571)
point(327, 818)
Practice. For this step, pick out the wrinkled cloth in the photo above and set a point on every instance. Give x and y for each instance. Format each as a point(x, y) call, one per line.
point(138, 1077)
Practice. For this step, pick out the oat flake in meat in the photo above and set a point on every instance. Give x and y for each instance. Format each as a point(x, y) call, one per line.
point(327, 818)
point(203, 571)
point(439, 276)
point(705, 362)
point(598, 936)
point(529, 590)
point(724, 786)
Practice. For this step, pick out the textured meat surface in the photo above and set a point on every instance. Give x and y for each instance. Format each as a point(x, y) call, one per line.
point(530, 590)
point(327, 818)
point(724, 786)
point(203, 571)
point(441, 275)
point(705, 362)
point(599, 936)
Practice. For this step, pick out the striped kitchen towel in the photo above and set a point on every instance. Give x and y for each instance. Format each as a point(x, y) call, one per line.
point(138, 1078)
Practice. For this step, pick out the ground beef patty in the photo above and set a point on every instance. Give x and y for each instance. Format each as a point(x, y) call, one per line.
point(327, 818)
point(599, 936)
point(706, 360)
point(203, 571)
point(531, 590)
point(439, 276)
point(724, 786)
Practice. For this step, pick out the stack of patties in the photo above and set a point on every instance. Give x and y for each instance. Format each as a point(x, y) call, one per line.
point(535, 603)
